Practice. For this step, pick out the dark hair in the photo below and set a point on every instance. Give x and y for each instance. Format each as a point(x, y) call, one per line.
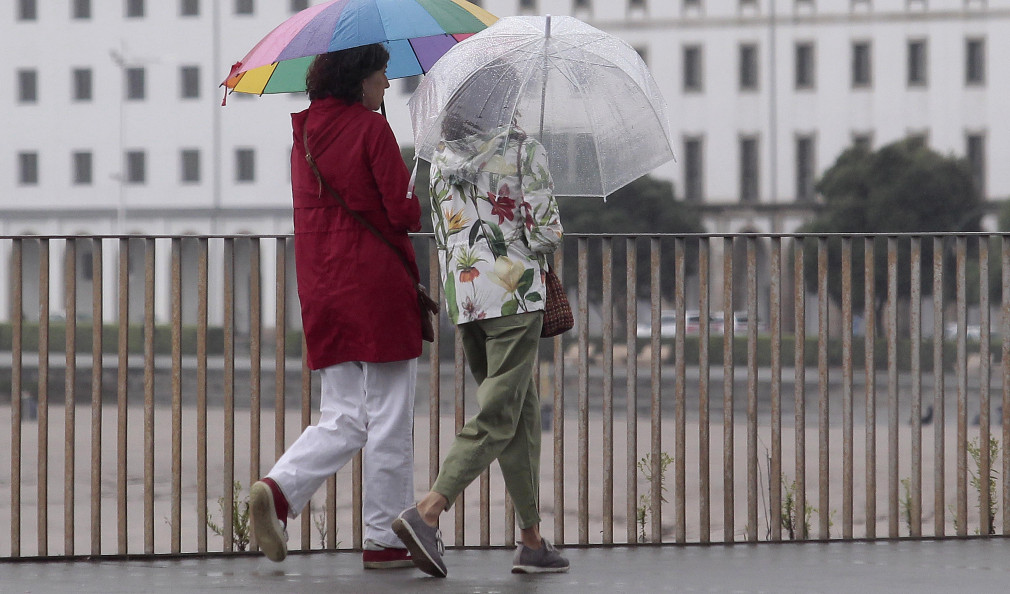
point(339, 74)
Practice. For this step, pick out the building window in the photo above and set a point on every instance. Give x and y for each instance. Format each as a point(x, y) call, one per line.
point(918, 139)
point(82, 84)
point(976, 161)
point(917, 63)
point(692, 69)
point(190, 163)
point(82, 168)
point(189, 81)
point(82, 9)
point(410, 84)
point(135, 9)
point(863, 140)
point(135, 85)
point(28, 86)
point(581, 5)
point(189, 8)
point(527, 5)
point(136, 167)
point(748, 169)
point(636, 4)
point(805, 168)
point(692, 5)
point(27, 10)
point(804, 65)
point(300, 5)
point(861, 73)
point(975, 67)
point(244, 7)
point(245, 165)
point(694, 170)
point(748, 67)
point(28, 169)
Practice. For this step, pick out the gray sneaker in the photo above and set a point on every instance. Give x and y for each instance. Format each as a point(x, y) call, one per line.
point(423, 541)
point(546, 559)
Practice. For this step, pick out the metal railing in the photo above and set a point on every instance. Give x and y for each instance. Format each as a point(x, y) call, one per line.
point(169, 376)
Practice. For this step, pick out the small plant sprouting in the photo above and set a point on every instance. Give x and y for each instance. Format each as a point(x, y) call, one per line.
point(645, 504)
point(906, 503)
point(790, 519)
point(974, 449)
point(241, 530)
point(319, 521)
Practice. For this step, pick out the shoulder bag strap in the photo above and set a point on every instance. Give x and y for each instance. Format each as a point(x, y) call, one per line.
point(357, 216)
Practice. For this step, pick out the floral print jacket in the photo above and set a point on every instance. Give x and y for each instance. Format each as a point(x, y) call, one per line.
point(492, 234)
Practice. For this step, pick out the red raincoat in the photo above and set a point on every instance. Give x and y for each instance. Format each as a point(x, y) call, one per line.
point(358, 301)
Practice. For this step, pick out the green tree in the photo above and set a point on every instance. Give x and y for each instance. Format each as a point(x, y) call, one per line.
point(904, 187)
point(643, 207)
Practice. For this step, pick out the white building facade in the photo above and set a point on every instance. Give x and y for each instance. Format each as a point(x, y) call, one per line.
point(113, 123)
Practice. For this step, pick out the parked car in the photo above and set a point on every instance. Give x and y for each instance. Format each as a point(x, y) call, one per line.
point(741, 323)
point(692, 324)
point(973, 332)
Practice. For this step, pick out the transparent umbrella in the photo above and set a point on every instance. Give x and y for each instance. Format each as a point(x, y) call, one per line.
point(586, 95)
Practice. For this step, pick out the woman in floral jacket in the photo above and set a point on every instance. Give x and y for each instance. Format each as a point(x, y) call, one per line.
point(495, 220)
point(492, 235)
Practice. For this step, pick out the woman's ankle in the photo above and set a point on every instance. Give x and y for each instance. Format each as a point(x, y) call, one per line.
point(431, 507)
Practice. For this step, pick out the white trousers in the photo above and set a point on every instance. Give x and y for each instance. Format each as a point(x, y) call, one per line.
point(367, 406)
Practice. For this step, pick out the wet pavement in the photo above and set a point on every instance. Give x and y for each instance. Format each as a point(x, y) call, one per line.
point(973, 565)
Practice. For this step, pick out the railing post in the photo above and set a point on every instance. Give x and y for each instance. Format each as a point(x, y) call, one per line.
point(775, 330)
point(847, 429)
point(704, 403)
point(869, 313)
point(607, 250)
point(656, 410)
point(17, 388)
point(582, 324)
point(680, 395)
point(892, 387)
point(823, 401)
point(631, 383)
point(915, 314)
point(728, 372)
point(799, 392)
point(97, 328)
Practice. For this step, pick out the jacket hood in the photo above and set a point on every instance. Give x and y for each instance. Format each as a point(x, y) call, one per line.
point(482, 160)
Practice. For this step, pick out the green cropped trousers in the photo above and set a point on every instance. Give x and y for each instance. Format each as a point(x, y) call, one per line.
point(501, 353)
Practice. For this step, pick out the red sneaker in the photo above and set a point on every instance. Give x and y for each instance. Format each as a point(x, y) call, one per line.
point(381, 557)
point(268, 512)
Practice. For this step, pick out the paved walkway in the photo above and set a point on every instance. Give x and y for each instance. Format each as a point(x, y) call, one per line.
point(972, 565)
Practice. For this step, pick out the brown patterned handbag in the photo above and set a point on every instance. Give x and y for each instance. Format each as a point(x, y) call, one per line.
point(557, 311)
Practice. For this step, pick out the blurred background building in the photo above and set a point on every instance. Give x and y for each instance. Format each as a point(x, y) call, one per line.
point(113, 123)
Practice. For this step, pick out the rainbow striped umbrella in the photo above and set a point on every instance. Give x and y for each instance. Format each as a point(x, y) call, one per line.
point(416, 32)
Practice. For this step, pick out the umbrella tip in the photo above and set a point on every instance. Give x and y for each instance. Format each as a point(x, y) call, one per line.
point(547, 27)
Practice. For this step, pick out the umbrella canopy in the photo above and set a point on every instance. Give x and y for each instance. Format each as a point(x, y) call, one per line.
point(416, 32)
point(586, 95)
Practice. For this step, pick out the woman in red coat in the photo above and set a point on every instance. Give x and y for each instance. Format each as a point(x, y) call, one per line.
point(359, 307)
